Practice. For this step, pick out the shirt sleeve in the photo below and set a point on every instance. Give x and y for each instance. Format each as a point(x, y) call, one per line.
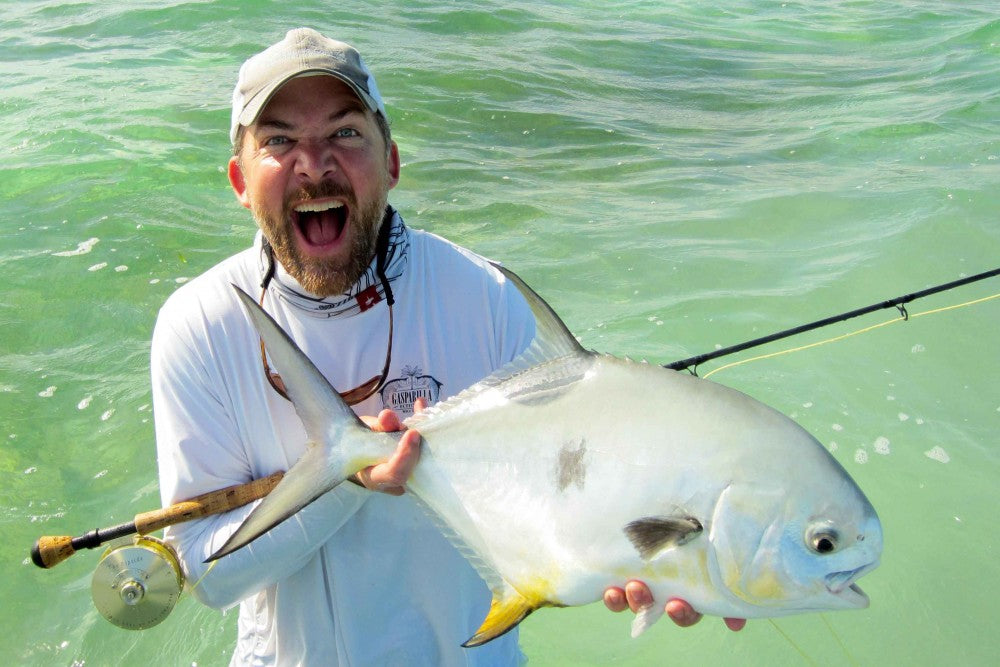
point(200, 448)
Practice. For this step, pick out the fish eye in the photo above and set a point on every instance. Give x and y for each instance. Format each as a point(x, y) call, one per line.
point(822, 540)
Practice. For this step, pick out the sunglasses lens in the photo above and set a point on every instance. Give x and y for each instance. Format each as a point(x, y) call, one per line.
point(361, 392)
point(277, 383)
point(352, 397)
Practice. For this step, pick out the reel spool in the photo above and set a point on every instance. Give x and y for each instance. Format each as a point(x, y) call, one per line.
point(138, 579)
point(136, 584)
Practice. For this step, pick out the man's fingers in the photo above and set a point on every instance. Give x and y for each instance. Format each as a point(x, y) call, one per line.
point(387, 422)
point(614, 599)
point(735, 624)
point(681, 613)
point(390, 477)
point(404, 459)
point(638, 596)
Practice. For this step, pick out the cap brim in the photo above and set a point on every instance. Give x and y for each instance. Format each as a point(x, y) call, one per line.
point(253, 108)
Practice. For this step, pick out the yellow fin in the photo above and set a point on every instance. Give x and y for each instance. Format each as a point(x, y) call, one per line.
point(507, 610)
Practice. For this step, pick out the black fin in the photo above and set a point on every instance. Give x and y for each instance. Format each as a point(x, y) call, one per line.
point(653, 534)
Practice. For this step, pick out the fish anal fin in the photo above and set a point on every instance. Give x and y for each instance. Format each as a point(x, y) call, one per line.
point(651, 535)
point(507, 610)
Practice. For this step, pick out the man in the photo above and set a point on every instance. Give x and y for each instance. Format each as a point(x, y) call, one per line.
point(356, 577)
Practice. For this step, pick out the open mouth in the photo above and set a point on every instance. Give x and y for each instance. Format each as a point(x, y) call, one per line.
point(321, 223)
point(842, 585)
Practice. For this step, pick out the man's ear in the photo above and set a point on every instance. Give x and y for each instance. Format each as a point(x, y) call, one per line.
point(393, 165)
point(238, 182)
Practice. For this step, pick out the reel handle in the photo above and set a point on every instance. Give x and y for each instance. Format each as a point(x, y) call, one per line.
point(49, 551)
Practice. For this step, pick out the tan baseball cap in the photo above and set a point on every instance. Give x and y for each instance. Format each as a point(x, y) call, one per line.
point(303, 52)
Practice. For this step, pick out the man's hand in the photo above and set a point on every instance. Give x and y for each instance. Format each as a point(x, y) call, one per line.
point(390, 477)
point(636, 596)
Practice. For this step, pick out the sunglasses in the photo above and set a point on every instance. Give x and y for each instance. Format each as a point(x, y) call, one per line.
point(366, 389)
point(352, 396)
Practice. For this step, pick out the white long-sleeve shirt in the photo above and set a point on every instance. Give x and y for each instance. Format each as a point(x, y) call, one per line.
point(355, 578)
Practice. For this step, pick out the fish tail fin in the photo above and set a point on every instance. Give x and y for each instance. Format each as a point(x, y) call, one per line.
point(508, 609)
point(316, 401)
point(339, 445)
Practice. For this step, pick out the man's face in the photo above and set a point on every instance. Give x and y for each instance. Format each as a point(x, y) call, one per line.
point(315, 171)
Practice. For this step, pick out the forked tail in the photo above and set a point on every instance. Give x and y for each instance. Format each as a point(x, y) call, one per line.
point(339, 445)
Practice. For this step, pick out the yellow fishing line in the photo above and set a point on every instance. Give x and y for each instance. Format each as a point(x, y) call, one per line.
point(793, 644)
point(195, 584)
point(901, 318)
point(839, 640)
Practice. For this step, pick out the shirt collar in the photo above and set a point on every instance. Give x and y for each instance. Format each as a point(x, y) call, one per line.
point(365, 293)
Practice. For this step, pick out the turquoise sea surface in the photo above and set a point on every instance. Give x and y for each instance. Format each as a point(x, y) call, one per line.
point(671, 176)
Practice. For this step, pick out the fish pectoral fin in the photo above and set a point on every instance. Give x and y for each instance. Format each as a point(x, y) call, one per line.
point(646, 617)
point(653, 534)
point(507, 610)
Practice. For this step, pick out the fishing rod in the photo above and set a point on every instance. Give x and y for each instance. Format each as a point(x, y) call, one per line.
point(138, 581)
point(899, 303)
point(51, 550)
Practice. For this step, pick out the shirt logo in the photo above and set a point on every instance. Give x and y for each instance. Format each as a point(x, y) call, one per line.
point(399, 394)
point(367, 298)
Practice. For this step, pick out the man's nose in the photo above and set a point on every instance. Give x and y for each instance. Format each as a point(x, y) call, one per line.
point(315, 160)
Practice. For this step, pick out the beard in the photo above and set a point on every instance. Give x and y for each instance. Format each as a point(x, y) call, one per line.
point(325, 277)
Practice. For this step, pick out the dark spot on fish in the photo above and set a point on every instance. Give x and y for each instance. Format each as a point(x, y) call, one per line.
point(571, 468)
point(653, 534)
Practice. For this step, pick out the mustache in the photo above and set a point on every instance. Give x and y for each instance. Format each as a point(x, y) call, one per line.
point(320, 190)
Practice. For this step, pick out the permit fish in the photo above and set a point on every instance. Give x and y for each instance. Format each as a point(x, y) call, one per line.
point(568, 471)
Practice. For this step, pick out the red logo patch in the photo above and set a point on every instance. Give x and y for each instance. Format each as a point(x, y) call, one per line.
point(368, 298)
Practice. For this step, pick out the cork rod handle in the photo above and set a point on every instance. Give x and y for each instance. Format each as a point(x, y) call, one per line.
point(50, 550)
point(213, 502)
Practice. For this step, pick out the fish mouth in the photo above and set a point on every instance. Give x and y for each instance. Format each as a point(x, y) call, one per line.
point(842, 584)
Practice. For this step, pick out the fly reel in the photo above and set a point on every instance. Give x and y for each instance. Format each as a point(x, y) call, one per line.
point(137, 583)
point(138, 579)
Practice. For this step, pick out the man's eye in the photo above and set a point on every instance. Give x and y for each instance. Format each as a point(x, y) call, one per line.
point(275, 141)
point(346, 132)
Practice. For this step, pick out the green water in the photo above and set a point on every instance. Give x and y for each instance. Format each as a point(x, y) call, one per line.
point(671, 176)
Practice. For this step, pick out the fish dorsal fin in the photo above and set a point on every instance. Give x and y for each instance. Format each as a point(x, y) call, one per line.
point(508, 609)
point(553, 339)
point(651, 535)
